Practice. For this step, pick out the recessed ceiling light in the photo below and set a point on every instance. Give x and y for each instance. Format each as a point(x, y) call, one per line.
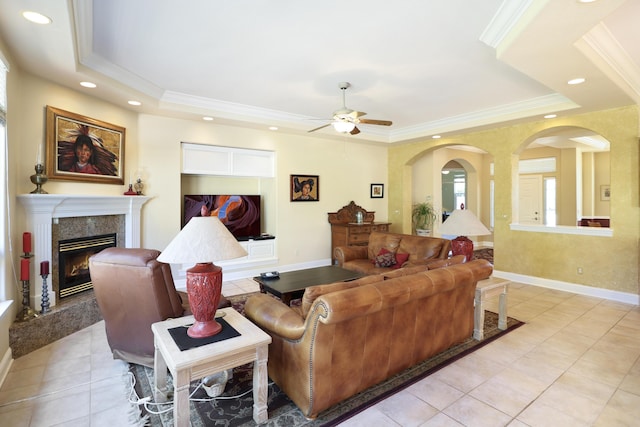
point(586, 1)
point(273, 128)
point(550, 116)
point(88, 84)
point(136, 103)
point(207, 118)
point(36, 17)
point(576, 81)
point(436, 137)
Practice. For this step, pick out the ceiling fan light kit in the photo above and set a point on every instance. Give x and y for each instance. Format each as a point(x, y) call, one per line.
point(345, 119)
point(343, 126)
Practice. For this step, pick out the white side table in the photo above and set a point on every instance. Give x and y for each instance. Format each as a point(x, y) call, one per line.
point(484, 289)
point(199, 362)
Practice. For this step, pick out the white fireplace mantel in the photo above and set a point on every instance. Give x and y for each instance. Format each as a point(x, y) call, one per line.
point(42, 209)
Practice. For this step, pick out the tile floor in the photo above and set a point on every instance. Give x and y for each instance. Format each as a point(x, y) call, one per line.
point(575, 363)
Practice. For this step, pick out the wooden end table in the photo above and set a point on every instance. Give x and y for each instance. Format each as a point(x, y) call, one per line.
point(199, 362)
point(484, 289)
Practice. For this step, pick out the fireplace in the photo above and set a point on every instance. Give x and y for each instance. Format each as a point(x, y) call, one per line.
point(46, 216)
point(73, 259)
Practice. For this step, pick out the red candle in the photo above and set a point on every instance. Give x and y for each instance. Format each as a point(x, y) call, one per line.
point(26, 242)
point(44, 268)
point(24, 269)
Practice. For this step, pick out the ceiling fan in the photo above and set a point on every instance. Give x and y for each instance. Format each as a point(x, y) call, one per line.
point(345, 119)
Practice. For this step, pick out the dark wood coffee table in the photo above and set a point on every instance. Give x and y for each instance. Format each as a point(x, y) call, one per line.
point(291, 285)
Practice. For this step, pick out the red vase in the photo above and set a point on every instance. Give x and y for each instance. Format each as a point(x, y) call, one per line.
point(204, 287)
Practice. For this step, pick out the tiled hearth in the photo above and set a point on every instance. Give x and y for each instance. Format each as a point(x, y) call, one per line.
point(72, 315)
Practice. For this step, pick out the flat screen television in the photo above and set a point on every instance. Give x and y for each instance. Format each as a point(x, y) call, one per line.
point(239, 213)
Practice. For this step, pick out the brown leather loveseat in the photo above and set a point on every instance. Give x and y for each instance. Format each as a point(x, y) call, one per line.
point(349, 336)
point(416, 250)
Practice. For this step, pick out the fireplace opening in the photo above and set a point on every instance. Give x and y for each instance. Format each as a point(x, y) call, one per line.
point(73, 261)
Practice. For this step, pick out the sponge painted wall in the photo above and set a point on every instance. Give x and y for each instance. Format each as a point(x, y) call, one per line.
point(607, 262)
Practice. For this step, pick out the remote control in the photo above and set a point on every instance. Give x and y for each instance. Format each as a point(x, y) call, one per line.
point(270, 275)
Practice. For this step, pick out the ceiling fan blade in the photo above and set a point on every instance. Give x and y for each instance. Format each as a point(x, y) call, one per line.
point(318, 128)
point(376, 122)
point(355, 131)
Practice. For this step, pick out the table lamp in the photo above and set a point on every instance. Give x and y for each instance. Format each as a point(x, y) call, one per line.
point(202, 241)
point(463, 222)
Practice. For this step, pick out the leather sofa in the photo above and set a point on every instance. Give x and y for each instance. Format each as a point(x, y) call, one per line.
point(134, 290)
point(349, 336)
point(416, 250)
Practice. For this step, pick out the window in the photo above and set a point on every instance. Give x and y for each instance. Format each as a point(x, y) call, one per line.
point(3, 173)
point(550, 202)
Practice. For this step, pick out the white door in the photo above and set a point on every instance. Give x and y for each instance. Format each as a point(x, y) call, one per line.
point(530, 201)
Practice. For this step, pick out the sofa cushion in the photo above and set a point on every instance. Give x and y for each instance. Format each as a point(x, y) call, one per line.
point(385, 258)
point(401, 258)
point(313, 292)
point(421, 248)
point(378, 241)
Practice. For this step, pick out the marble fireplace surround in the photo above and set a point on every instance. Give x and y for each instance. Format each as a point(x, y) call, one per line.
point(43, 209)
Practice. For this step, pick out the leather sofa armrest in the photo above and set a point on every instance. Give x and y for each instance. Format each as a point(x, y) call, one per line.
point(274, 316)
point(347, 253)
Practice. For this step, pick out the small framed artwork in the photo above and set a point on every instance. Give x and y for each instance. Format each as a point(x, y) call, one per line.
point(605, 192)
point(83, 149)
point(305, 188)
point(377, 191)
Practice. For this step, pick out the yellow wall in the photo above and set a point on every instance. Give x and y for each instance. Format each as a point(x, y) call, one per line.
point(607, 262)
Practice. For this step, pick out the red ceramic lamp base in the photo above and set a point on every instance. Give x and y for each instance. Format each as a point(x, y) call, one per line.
point(204, 287)
point(462, 245)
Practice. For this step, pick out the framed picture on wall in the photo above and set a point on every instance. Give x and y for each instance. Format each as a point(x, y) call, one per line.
point(80, 148)
point(305, 188)
point(605, 192)
point(377, 191)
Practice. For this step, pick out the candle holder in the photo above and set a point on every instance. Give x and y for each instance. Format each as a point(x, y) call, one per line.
point(26, 313)
point(39, 179)
point(44, 303)
point(130, 191)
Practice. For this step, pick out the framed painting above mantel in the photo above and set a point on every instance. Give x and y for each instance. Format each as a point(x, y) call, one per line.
point(80, 148)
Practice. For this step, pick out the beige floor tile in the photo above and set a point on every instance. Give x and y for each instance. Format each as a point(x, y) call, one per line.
point(406, 409)
point(505, 399)
point(61, 410)
point(631, 384)
point(435, 392)
point(596, 372)
point(594, 390)
point(540, 414)
point(439, 420)
point(459, 378)
point(16, 417)
point(622, 410)
point(565, 398)
point(471, 412)
point(370, 417)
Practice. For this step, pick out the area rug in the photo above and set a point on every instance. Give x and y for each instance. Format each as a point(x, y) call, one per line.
point(238, 411)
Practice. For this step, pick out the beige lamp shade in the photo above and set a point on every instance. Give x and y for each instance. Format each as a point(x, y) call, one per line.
point(462, 222)
point(203, 239)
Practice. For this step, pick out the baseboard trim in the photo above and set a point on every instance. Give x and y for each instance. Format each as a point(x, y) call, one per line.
point(608, 294)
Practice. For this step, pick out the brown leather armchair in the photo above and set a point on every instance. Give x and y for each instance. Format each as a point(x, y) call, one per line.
point(134, 290)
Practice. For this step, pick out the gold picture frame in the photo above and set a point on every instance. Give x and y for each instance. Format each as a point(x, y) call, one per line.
point(83, 149)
